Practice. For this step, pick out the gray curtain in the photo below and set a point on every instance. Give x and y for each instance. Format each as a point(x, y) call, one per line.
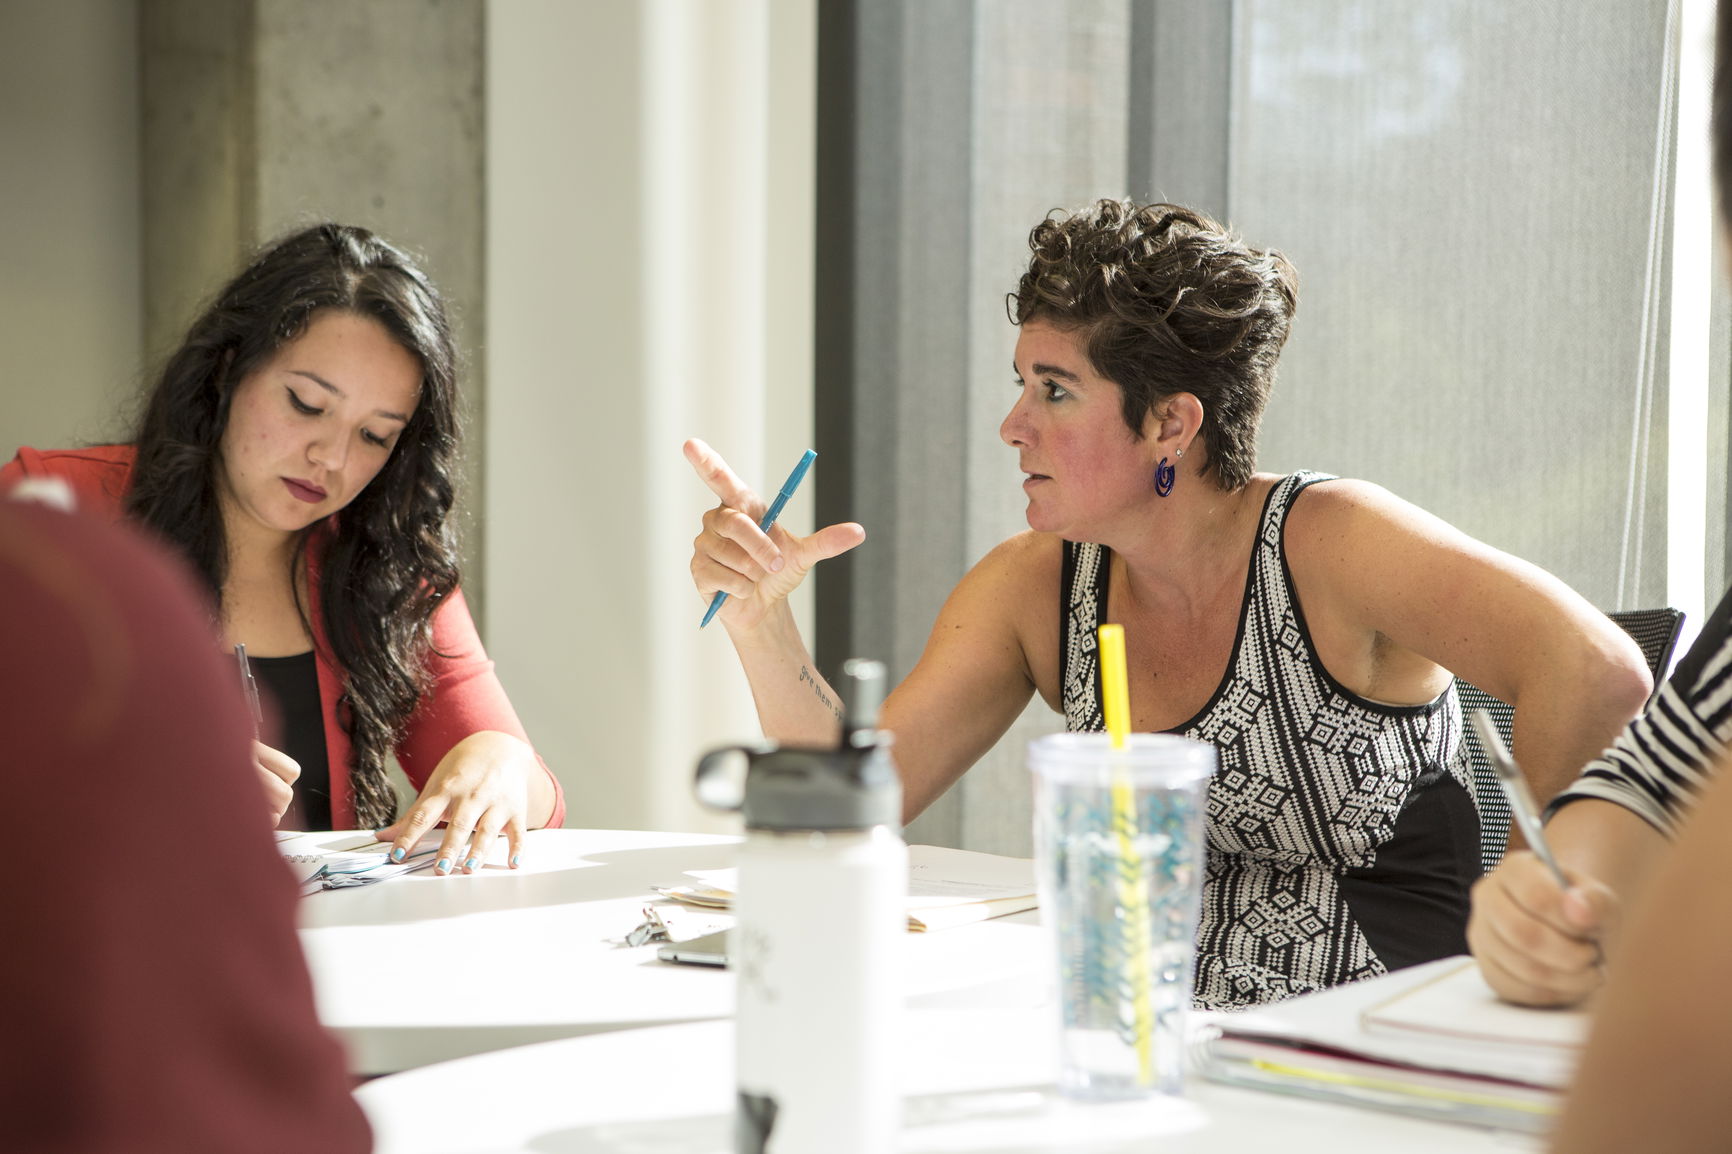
point(1468, 189)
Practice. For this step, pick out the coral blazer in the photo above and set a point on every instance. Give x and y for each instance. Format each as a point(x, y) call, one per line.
point(464, 695)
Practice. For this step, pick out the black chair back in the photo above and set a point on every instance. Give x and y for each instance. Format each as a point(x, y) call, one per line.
point(1654, 630)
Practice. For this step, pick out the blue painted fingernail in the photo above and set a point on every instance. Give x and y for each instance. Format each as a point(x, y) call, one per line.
point(443, 865)
point(515, 859)
point(471, 863)
point(396, 853)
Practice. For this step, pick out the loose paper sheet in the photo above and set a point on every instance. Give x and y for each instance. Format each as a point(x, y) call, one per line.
point(946, 887)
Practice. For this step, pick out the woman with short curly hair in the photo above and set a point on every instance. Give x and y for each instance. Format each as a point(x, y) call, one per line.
point(1306, 626)
point(299, 449)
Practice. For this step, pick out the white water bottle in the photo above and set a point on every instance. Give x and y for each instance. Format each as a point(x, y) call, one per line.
point(816, 948)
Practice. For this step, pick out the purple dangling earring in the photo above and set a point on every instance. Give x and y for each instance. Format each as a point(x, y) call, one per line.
point(1164, 474)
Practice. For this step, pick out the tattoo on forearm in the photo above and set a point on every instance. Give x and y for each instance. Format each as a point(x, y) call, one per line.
point(810, 678)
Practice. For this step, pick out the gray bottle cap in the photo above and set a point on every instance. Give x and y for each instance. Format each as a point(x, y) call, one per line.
point(854, 787)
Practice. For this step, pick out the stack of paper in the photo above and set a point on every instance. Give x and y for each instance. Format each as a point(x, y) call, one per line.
point(946, 887)
point(1432, 1041)
point(342, 860)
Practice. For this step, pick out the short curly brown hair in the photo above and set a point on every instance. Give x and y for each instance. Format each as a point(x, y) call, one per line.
point(1168, 302)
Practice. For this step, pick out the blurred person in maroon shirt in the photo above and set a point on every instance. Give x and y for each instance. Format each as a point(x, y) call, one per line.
point(153, 995)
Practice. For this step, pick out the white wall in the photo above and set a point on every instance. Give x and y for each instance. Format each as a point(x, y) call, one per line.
point(70, 316)
point(648, 278)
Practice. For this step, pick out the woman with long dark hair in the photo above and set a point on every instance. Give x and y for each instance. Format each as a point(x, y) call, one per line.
point(299, 448)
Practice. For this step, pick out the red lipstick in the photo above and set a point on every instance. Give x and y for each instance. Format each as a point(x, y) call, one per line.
point(304, 490)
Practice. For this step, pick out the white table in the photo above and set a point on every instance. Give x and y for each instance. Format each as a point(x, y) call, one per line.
point(421, 969)
point(977, 1080)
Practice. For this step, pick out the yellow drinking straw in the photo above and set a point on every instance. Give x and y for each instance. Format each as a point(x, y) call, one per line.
point(1115, 696)
point(1133, 894)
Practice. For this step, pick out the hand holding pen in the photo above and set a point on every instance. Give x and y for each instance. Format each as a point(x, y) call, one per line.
point(744, 558)
point(277, 770)
point(1535, 929)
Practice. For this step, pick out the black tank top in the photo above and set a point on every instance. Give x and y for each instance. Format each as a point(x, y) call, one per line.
point(1342, 834)
point(293, 682)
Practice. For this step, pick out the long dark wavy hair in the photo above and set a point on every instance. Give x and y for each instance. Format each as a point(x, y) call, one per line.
point(1168, 301)
point(386, 560)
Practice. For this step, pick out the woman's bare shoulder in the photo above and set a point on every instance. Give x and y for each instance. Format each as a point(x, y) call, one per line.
point(1341, 514)
point(1351, 545)
point(1331, 497)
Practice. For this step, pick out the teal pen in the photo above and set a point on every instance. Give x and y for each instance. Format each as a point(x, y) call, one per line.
point(770, 515)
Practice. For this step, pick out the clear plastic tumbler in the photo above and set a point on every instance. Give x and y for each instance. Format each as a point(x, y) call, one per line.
point(1118, 840)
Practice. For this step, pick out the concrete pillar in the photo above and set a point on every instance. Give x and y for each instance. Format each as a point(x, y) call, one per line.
point(69, 269)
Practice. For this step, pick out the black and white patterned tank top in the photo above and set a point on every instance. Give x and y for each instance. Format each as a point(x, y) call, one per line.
point(1342, 835)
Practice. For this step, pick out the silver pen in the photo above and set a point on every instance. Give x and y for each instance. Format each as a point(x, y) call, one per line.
point(1515, 787)
point(250, 687)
